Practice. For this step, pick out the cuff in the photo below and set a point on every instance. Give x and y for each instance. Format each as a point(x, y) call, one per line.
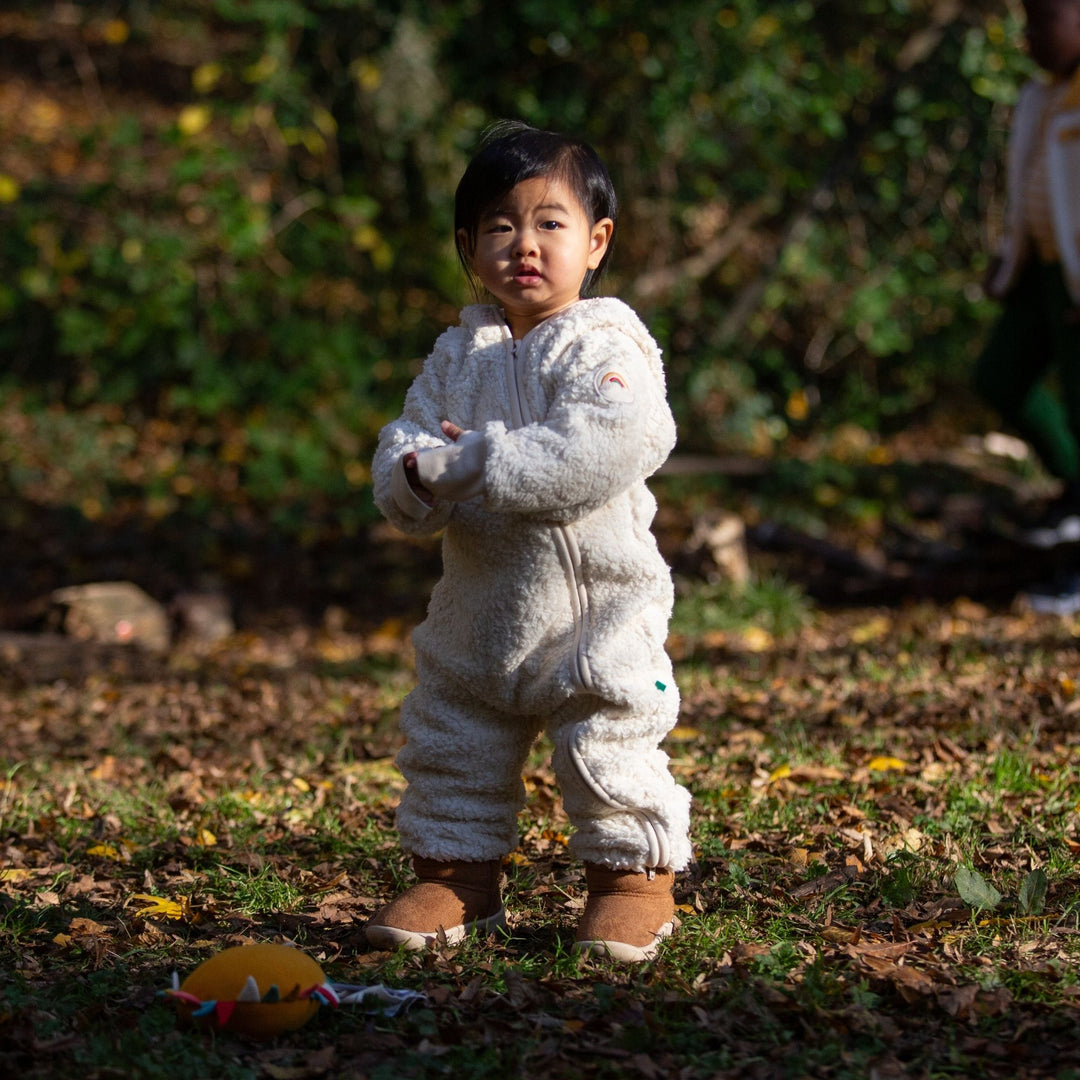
point(406, 500)
point(455, 472)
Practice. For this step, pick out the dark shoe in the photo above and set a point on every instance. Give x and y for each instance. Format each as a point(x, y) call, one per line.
point(1058, 524)
point(451, 900)
point(1058, 597)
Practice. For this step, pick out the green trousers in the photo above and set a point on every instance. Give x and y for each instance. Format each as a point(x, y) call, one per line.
point(1030, 340)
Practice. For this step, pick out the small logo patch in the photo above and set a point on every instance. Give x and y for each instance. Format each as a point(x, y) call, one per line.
point(614, 386)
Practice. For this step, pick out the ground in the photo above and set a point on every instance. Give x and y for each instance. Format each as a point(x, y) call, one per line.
point(885, 824)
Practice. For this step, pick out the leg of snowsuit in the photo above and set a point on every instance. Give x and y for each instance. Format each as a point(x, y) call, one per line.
point(1030, 337)
point(462, 761)
point(627, 811)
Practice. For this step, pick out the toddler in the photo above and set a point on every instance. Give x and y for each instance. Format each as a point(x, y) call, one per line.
point(1038, 271)
point(527, 437)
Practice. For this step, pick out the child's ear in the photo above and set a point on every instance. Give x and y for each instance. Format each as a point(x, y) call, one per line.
point(599, 239)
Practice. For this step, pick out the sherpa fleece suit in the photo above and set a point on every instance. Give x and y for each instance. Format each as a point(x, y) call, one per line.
point(554, 602)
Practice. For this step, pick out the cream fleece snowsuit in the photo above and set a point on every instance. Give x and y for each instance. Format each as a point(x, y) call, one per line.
point(554, 602)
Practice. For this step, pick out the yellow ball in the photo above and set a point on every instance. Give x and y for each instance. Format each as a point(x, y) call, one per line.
point(223, 976)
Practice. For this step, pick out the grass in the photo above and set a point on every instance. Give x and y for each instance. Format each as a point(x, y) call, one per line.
point(886, 830)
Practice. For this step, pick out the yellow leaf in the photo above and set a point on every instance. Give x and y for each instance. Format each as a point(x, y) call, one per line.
point(554, 835)
point(160, 906)
point(886, 764)
point(518, 858)
point(930, 924)
point(205, 77)
point(681, 733)
point(9, 188)
point(120, 852)
point(324, 121)
point(205, 838)
point(357, 473)
point(798, 405)
point(116, 32)
point(63, 940)
point(105, 851)
point(262, 69)
point(300, 784)
point(757, 639)
point(876, 628)
point(367, 74)
point(14, 875)
point(779, 773)
point(763, 28)
point(193, 119)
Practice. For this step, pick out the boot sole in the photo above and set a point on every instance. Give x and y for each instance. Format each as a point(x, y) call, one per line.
point(623, 950)
point(394, 937)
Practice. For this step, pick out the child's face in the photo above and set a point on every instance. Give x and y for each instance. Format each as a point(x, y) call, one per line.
point(534, 248)
point(1053, 34)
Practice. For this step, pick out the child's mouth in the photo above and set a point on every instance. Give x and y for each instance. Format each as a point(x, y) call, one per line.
point(527, 275)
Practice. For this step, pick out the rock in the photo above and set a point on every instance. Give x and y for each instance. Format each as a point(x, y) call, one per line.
point(718, 546)
point(203, 617)
point(114, 612)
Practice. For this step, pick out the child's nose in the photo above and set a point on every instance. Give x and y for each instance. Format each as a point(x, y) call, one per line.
point(525, 242)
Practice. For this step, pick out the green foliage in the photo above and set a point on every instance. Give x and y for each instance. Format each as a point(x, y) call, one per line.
point(244, 217)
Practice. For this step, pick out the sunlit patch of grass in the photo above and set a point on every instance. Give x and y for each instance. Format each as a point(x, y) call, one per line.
point(769, 603)
point(1011, 772)
point(258, 892)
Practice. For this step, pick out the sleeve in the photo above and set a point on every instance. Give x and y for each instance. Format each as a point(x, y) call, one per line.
point(608, 427)
point(416, 429)
point(454, 472)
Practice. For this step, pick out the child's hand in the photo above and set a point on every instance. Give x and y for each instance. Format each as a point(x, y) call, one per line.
point(452, 431)
point(421, 492)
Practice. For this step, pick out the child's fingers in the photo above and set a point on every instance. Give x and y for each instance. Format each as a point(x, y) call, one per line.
point(452, 431)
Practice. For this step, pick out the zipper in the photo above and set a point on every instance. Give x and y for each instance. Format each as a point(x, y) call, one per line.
point(570, 557)
point(566, 545)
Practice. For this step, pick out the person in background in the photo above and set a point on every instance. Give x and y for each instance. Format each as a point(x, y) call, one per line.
point(1036, 274)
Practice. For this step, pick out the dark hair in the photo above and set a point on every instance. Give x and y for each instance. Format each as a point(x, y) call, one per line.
point(511, 152)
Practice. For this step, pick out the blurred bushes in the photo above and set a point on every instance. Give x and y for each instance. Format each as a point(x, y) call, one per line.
point(234, 216)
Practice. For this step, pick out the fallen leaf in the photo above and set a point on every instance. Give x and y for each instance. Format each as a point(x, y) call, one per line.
point(886, 764)
point(159, 906)
point(975, 890)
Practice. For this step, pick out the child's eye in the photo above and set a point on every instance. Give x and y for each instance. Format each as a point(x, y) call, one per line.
point(551, 225)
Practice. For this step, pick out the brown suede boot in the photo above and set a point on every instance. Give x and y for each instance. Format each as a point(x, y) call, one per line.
point(627, 913)
point(457, 898)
